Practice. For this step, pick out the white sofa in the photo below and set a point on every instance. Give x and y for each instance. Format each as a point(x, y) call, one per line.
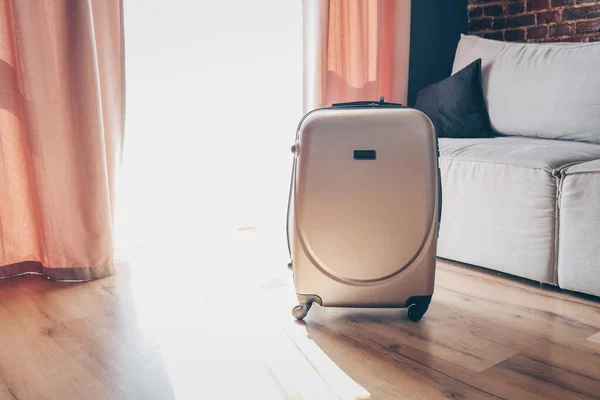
point(527, 202)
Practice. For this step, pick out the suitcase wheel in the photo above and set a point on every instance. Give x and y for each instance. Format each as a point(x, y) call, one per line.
point(415, 311)
point(301, 310)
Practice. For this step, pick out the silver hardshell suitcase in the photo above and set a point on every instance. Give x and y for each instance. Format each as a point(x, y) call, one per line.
point(364, 208)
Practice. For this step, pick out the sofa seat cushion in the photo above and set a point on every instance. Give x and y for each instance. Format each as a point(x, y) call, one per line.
point(499, 201)
point(550, 155)
point(590, 166)
point(579, 230)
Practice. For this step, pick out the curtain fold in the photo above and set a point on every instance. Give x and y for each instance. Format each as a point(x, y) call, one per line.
point(355, 50)
point(62, 107)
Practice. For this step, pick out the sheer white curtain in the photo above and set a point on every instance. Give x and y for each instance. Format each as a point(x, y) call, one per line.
point(214, 96)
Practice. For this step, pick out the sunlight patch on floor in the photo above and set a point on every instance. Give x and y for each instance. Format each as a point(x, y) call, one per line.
point(221, 319)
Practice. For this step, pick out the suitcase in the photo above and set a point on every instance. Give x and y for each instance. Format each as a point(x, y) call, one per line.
point(364, 208)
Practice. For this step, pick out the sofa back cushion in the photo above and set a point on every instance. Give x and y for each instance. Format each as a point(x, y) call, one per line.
point(545, 90)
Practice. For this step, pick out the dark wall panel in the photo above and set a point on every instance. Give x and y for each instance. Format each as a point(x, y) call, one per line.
point(436, 26)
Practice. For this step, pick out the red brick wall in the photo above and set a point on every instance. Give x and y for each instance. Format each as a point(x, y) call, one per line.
point(536, 20)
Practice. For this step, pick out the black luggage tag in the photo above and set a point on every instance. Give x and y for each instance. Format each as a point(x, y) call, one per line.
point(365, 155)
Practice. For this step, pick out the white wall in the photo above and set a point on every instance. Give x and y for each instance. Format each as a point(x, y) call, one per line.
point(213, 98)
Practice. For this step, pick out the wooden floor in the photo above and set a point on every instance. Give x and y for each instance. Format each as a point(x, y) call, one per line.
point(212, 320)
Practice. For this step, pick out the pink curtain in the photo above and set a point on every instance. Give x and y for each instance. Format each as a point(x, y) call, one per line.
point(355, 50)
point(62, 106)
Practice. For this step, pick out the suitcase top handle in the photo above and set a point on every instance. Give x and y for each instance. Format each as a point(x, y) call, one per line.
point(367, 103)
point(353, 104)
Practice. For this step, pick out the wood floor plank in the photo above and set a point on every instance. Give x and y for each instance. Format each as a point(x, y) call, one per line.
point(37, 325)
point(120, 288)
point(139, 335)
point(340, 383)
point(5, 392)
point(561, 325)
point(431, 336)
point(572, 382)
point(413, 379)
point(294, 371)
point(27, 369)
point(77, 298)
point(595, 338)
point(90, 383)
point(139, 339)
point(379, 376)
point(522, 296)
point(204, 358)
point(532, 383)
point(383, 342)
point(98, 350)
point(520, 327)
point(519, 317)
point(523, 285)
point(554, 343)
point(27, 307)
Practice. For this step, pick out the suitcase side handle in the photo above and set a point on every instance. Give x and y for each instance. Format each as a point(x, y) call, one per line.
point(368, 103)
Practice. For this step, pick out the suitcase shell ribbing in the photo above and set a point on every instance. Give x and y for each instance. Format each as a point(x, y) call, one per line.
point(364, 208)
